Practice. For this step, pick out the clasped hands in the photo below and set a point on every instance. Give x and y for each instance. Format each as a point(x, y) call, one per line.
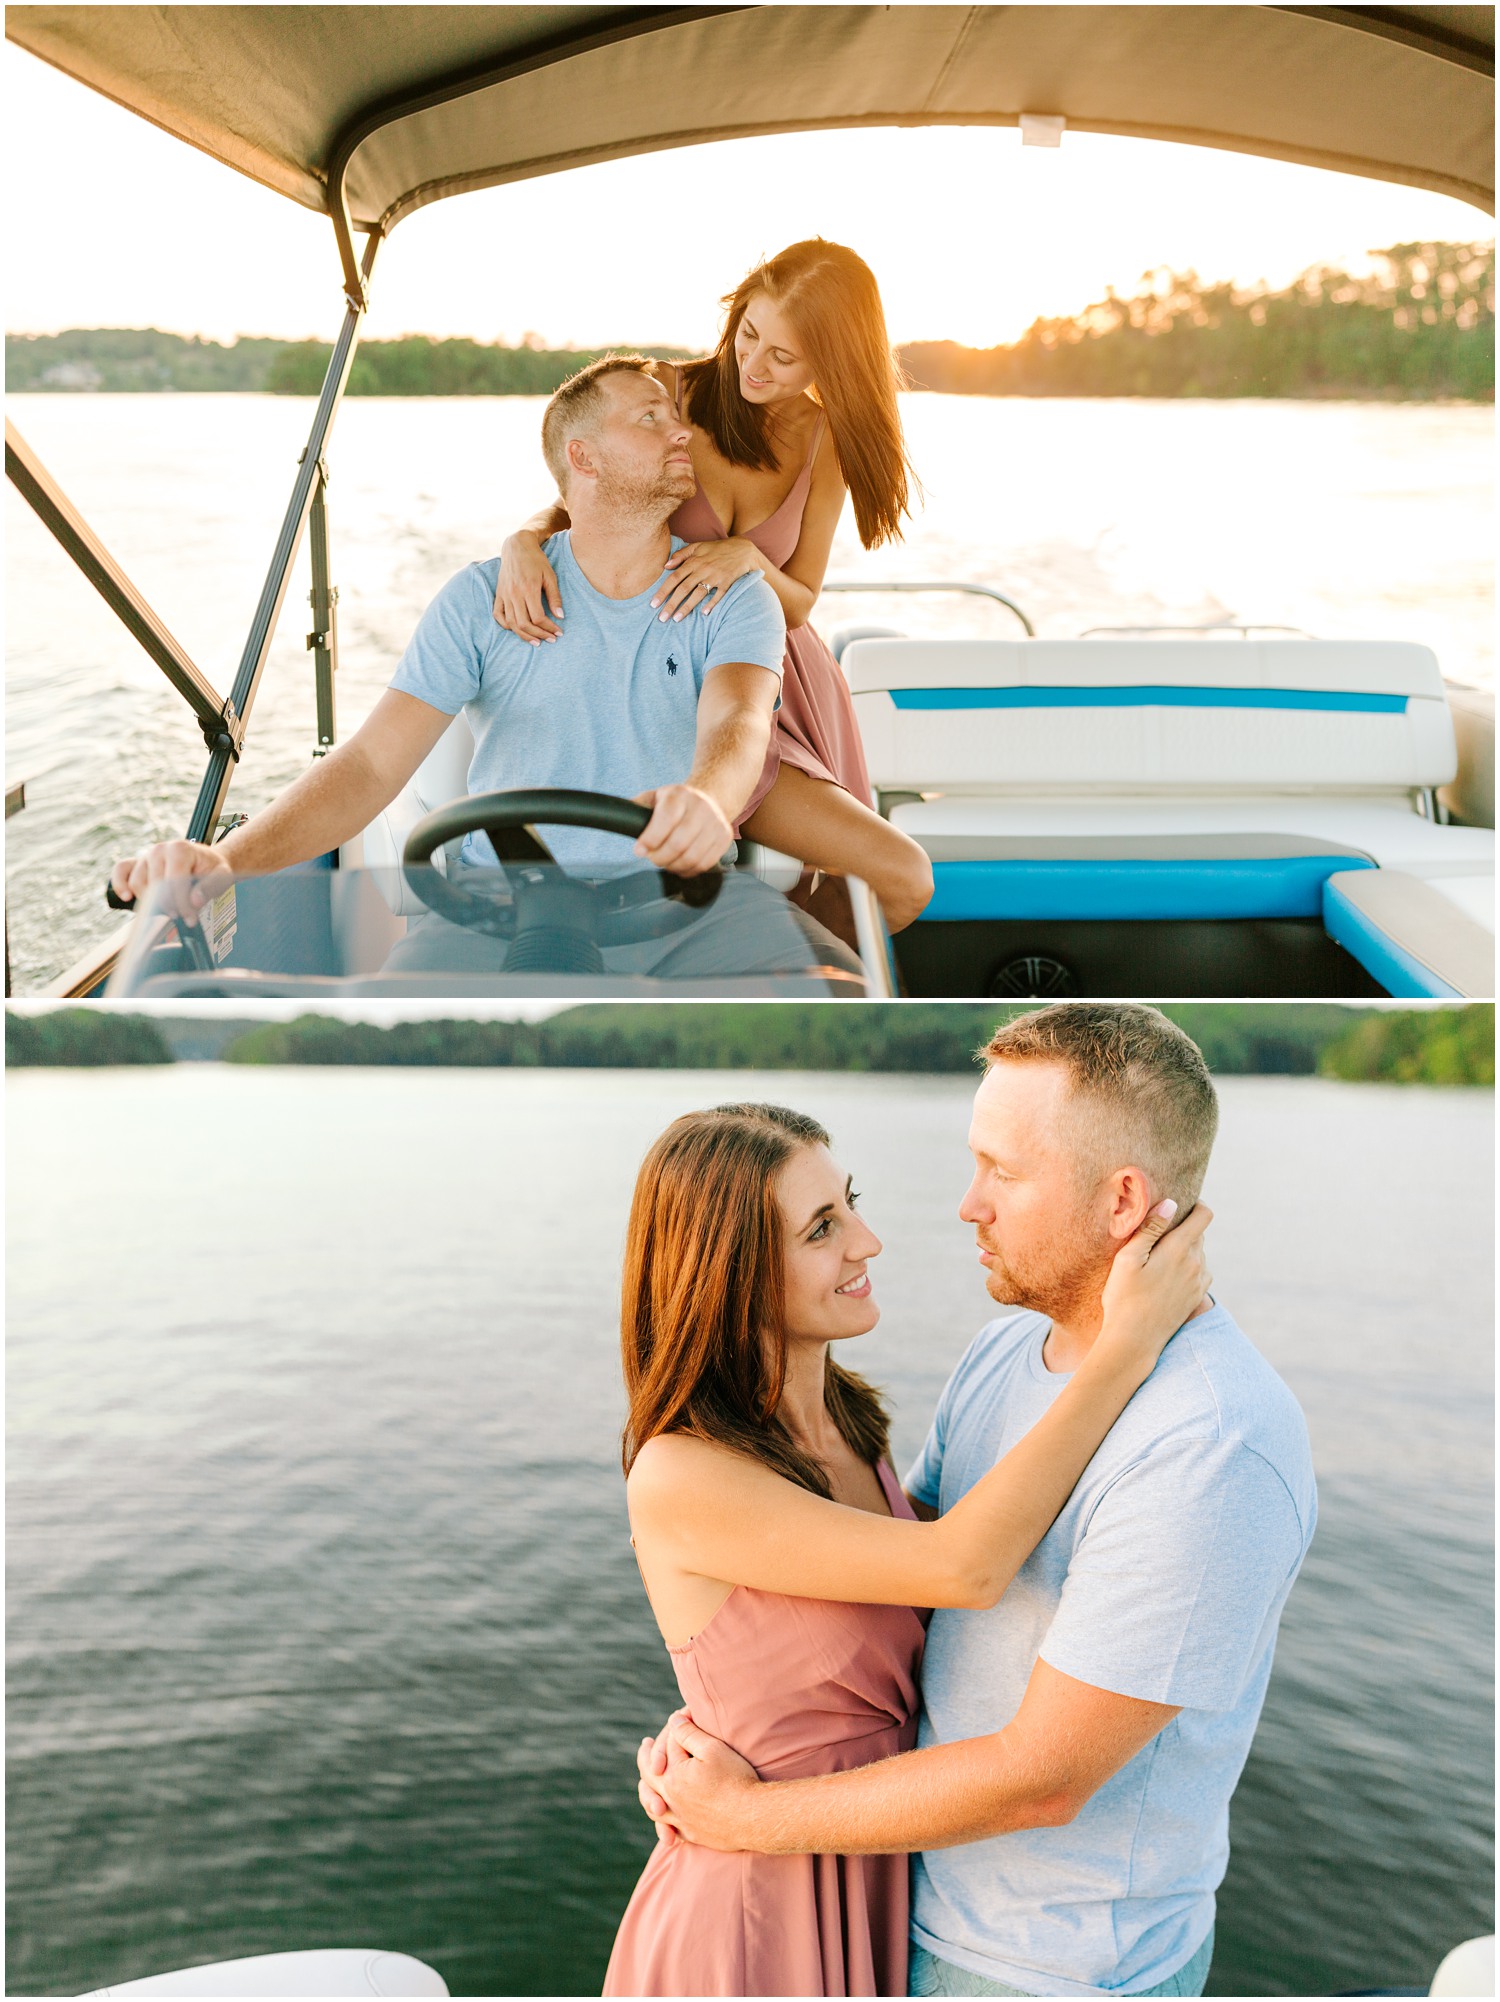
point(696, 1789)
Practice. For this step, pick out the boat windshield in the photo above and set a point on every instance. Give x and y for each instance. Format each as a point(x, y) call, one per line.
point(527, 930)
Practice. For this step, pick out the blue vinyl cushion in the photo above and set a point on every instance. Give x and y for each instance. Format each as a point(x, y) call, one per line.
point(1282, 886)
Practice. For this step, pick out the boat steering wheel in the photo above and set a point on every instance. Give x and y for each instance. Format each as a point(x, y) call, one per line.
point(557, 923)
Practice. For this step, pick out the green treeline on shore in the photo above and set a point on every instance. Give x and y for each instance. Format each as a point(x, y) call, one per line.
point(127, 359)
point(83, 1039)
point(1420, 328)
point(420, 366)
point(135, 359)
point(1444, 1046)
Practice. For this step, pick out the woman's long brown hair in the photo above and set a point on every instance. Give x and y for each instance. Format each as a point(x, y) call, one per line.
point(831, 298)
point(702, 1321)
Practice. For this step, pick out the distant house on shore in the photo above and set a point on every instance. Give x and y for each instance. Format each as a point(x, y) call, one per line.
point(71, 375)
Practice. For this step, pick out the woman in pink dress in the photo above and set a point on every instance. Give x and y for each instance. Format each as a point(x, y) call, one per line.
point(780, 1556)
point(794, 411)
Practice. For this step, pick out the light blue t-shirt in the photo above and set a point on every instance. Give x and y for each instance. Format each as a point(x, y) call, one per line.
point(1164, 1579)
point(610, 706)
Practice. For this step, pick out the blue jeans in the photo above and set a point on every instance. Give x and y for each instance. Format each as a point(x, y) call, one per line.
point(930, 1976)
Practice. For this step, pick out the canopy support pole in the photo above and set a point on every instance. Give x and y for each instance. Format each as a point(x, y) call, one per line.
point(52, 507)
point(273, 592)
point(323, 640)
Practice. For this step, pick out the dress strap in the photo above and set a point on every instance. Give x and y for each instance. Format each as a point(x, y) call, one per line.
point(817, 436)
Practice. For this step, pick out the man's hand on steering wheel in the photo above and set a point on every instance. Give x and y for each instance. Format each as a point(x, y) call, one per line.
point(687, 832)
point(193, 873)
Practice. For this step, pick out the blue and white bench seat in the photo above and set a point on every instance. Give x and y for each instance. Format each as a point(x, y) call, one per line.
point(1109, 780)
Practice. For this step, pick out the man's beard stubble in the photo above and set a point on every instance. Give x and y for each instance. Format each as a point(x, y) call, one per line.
point(652, 498)
point(1065, 1289)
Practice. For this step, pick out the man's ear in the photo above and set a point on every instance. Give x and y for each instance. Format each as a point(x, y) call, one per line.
point(579, 462)
point(1128, 1194)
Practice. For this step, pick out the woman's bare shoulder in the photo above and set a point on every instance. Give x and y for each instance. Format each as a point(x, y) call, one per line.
point(677, 1467)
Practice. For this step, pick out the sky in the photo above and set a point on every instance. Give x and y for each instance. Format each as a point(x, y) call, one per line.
point(971, 234)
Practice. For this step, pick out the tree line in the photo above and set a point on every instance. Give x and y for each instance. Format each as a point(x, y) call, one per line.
point(145, 359)
point(1445, 1046)
point(1420, 327)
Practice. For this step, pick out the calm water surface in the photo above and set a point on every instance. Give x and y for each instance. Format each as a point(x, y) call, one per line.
point(1348, 520)
point(323, 1626)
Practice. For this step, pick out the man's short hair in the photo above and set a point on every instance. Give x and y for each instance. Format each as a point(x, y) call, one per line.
point(1140, 1084)
point(579, 405)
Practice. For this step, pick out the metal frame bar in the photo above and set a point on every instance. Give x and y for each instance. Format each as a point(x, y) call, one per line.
point(1213, 626)
point(223, 719)
point(875, 586)
point(57, 513)
point(874, 944)
point(15, 802)
point(309, 481)
point(323, 640)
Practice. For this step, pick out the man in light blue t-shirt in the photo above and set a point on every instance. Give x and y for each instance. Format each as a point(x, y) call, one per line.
point(1079, 1741)
point(677, 715)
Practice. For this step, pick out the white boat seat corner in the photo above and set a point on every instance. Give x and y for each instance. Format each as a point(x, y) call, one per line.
point(320, 1971)
point(1409, 936)
point(443, 775)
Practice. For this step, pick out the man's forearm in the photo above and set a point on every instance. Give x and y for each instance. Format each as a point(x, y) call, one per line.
point(329, 803)
point(729, 756)
point(929, 1799)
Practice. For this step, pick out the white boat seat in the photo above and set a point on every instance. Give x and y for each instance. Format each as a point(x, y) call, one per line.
point(843, 637)
point(443, 775)
point(1407, 934)
point(1468, 1970)
point(322, 1971)
point(970, 716)
point(1259, 855)
point(1164, 779)
point(782, 872)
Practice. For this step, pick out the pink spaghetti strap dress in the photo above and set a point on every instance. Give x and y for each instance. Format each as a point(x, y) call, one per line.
point(796, 1686)
point(815, 727)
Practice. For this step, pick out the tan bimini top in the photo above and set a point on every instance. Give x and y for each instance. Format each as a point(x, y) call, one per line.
point(374, 111)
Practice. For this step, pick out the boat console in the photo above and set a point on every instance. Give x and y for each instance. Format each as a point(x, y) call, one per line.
point(442, 923)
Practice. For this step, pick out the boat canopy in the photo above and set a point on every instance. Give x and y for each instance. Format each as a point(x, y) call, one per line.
point(370, 112)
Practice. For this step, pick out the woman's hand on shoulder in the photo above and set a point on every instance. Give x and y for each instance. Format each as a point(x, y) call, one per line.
point(527, 590)
point(700, 574)
point(1158, 1280)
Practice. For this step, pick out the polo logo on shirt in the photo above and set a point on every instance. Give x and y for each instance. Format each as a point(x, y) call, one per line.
point(671, 663)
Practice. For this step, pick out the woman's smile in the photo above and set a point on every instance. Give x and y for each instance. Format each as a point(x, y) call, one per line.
point(855, 1289)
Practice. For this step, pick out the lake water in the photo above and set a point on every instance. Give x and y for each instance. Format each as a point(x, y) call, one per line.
point(1348, 520)
point(323, 1627)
